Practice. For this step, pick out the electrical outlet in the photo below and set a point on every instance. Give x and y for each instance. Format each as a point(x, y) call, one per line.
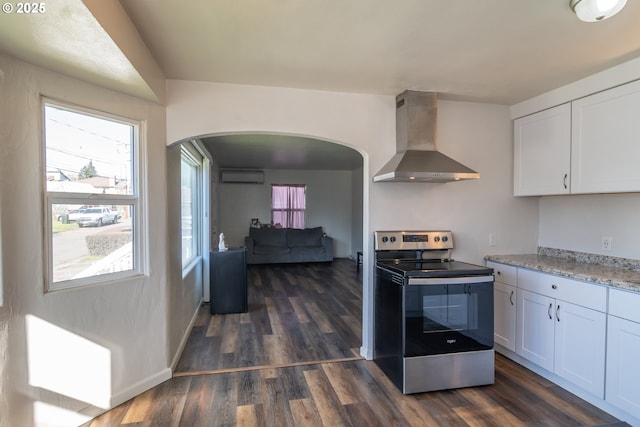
point(606, 243)
point(492, 240)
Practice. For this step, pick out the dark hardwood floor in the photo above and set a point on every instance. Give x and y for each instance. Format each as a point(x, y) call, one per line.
point(297, 313)
point(293, 360)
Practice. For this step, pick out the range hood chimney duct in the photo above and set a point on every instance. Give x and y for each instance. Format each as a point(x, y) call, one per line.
point(417, 158)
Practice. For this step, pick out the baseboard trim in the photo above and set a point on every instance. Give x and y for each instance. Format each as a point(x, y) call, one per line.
point(366, 353)
point(185, 338)
point(140, 387)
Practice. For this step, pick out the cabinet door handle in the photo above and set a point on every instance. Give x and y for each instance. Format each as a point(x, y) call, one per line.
point(564, 180)
point(554, 286)
point(511, 298)
point(558, 312)
point(549, 311)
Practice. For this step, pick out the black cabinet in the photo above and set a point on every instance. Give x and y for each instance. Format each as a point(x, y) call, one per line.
point(228, 281)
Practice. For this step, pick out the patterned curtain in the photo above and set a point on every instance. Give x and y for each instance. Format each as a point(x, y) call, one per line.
point(288, 205)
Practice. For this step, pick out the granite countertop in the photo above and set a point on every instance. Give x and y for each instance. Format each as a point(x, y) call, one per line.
point(615, 272)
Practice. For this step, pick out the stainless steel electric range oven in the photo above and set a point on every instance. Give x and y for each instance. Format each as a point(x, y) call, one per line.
point(433, 317)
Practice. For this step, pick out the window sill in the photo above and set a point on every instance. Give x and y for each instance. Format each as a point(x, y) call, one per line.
point(191, 265)
point(89, 282)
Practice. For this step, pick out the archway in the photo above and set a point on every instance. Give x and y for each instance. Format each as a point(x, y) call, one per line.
point(285, 156)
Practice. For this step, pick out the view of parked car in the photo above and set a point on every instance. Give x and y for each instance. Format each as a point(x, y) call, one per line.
point(76, 213)
point(97, 216)
point(73, 215)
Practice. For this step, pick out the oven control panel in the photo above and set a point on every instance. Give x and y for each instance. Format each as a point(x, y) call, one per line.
point(413, 240)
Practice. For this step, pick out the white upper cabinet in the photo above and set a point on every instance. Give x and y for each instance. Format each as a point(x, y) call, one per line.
point(605, 141)
point(542, 152)
point(591, 145)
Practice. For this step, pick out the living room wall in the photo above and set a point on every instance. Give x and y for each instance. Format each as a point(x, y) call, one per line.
point(328, 197)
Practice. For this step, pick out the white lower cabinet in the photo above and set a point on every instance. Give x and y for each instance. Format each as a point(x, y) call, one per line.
point(562, 337)
point(580, 346)
point(623, 350)
point(623, 375)
point(536, 329)
point(504, 315)
point(579, 331)
point(504, 305)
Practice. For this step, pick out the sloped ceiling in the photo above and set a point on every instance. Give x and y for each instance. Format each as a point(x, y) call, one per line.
point(494, 51)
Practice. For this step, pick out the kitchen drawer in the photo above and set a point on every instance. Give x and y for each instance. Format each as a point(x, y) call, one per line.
point(624, 304)
point(507, 274)
point(574, 291)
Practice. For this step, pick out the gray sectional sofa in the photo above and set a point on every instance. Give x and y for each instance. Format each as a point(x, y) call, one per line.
point(287, 245)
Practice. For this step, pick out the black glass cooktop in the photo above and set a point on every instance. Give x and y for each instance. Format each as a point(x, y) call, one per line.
point(426, 268)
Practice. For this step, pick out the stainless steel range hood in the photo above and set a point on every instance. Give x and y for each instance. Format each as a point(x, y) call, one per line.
point(417, 158)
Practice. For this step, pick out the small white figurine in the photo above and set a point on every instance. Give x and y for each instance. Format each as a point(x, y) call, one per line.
point(221, 245)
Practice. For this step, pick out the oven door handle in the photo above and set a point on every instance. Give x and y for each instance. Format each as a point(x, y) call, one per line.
point(416, 281)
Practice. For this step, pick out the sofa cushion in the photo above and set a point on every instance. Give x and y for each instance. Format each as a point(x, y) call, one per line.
point(307, 249)
point(271, 250)
point(273, 237)
point(309, 237)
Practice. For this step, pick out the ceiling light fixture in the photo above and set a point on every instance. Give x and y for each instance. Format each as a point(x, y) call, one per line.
point(596, 10)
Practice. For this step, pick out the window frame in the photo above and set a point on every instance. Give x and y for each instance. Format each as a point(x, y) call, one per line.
point(190, 154)
point(134, 199)
point(304, 211)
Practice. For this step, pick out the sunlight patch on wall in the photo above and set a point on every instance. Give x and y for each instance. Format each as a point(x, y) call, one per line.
point(66, 364)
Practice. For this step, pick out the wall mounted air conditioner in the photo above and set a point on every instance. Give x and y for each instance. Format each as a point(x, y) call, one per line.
point(237, 176)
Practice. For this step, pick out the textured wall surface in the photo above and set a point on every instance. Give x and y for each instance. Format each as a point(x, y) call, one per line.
point(56, 343)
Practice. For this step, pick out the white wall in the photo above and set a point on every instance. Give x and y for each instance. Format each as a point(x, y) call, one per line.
point(579, 222)
point(4, 312)
point(127, 318)
point(184, 290)
point(328, 205)
point(478, 135)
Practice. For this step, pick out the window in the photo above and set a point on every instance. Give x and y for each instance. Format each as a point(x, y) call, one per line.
point(189, 198)
point(92, 200)
point(287, 205)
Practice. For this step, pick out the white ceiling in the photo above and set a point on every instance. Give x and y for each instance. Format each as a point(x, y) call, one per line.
point(495, 51)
